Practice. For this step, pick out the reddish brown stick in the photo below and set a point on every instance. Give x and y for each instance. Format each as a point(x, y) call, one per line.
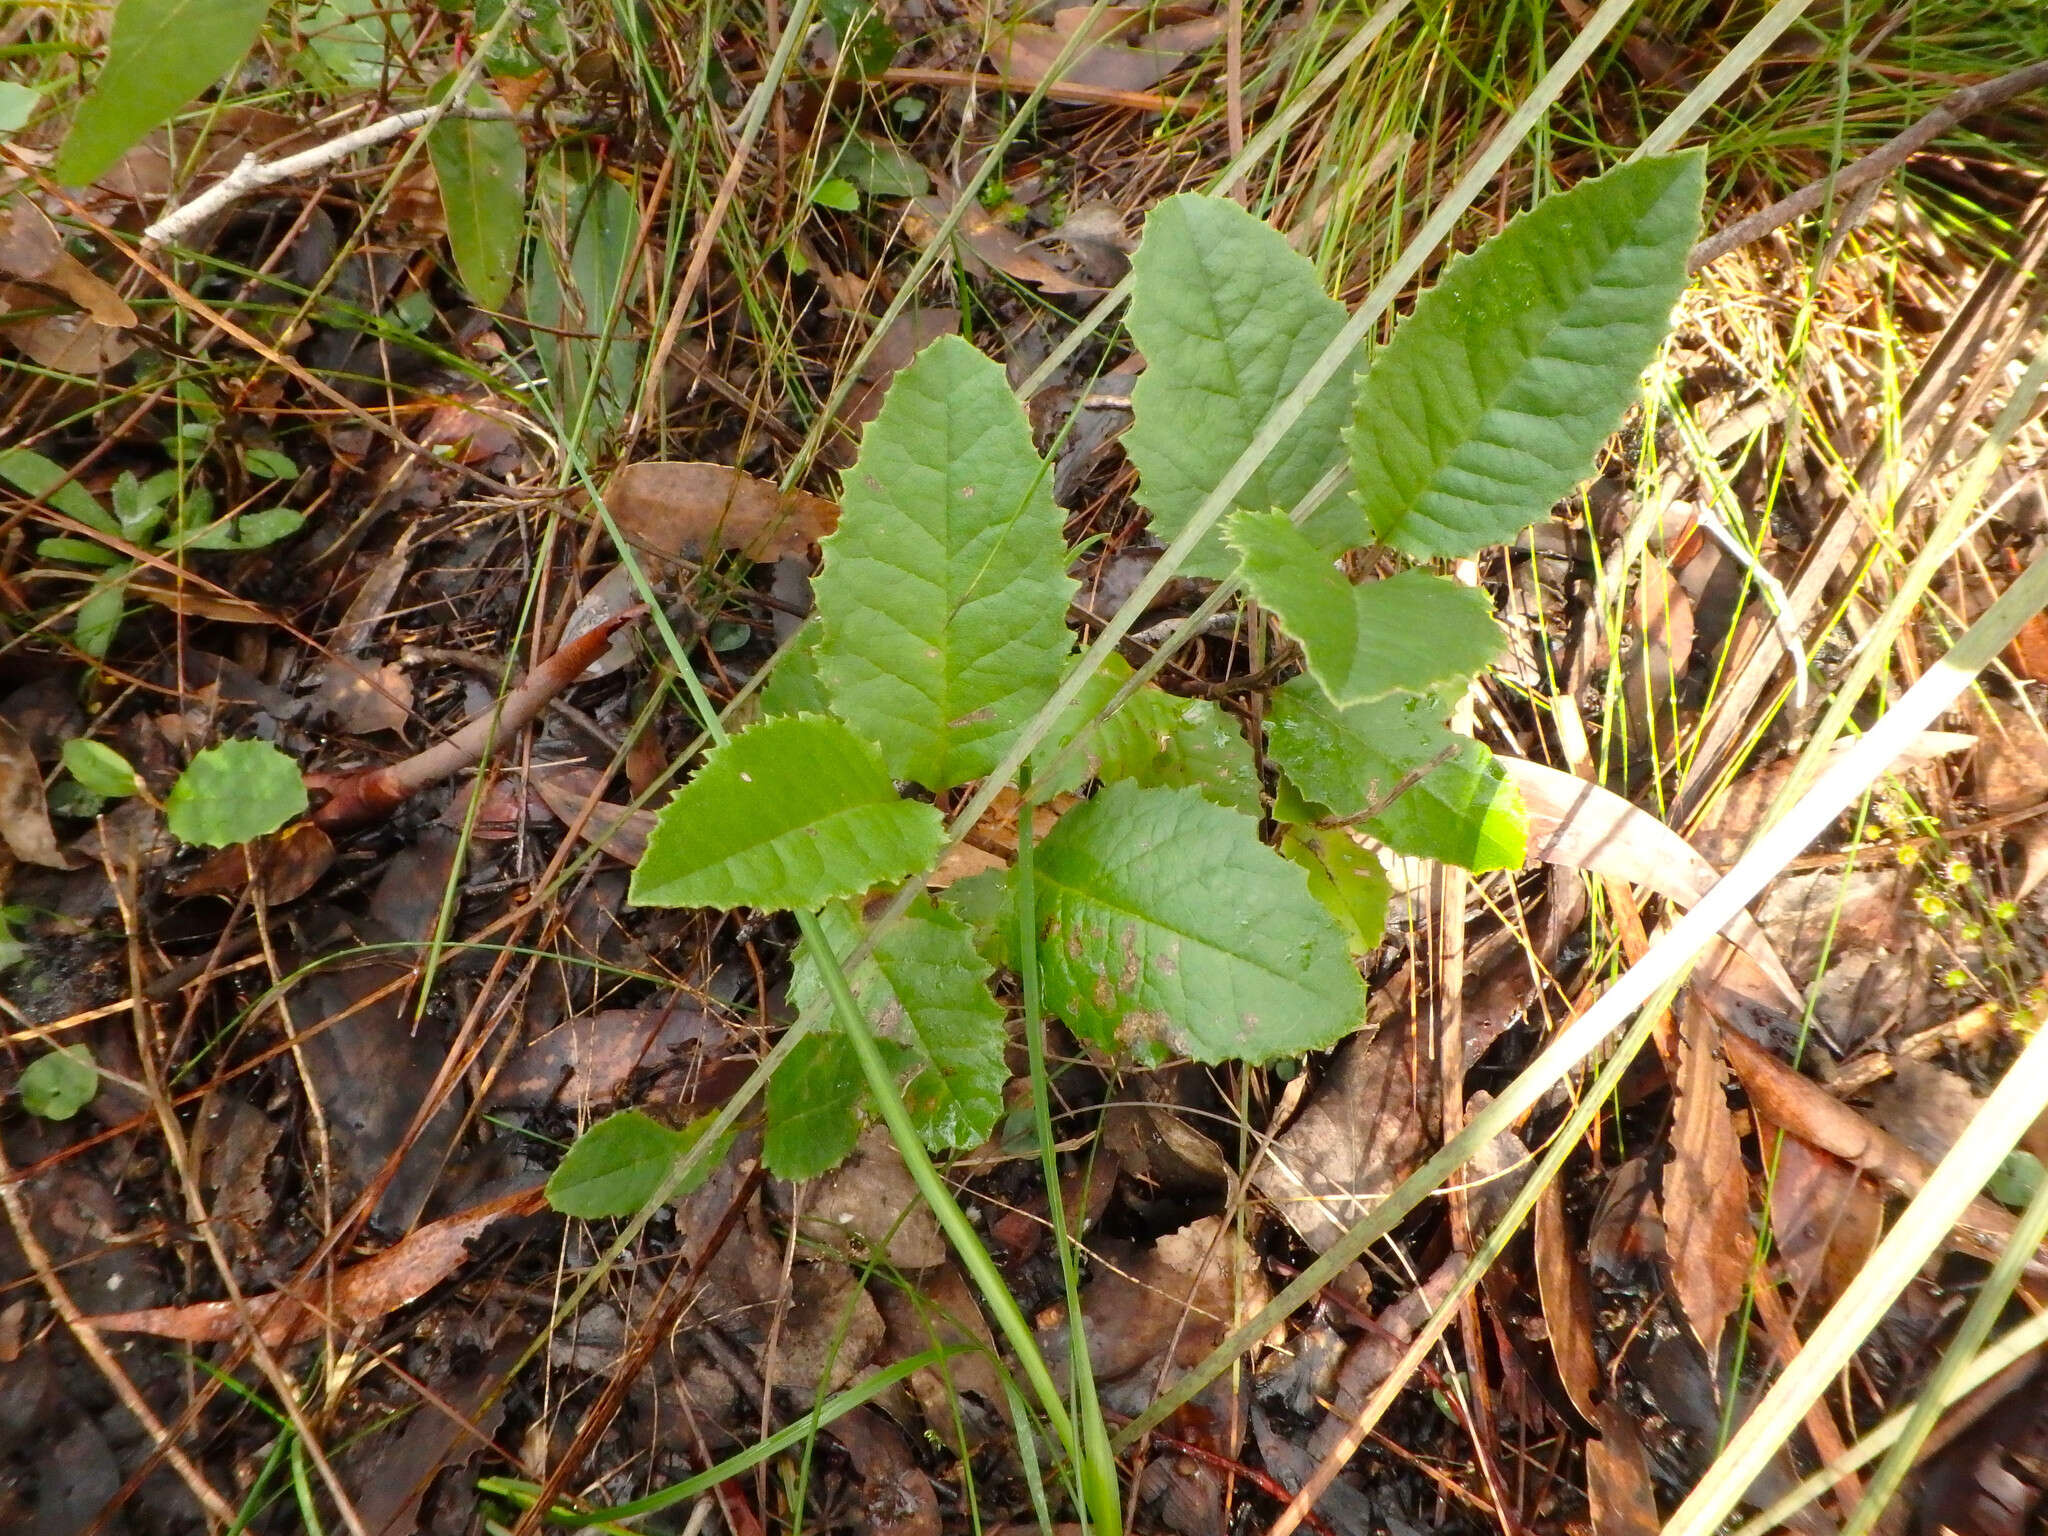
point(363, 797)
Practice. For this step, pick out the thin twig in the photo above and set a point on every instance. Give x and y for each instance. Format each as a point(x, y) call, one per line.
point(363, 797)
point(253, 173)
point(1878, 163)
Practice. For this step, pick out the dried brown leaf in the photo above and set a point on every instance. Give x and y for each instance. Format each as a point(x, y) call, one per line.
point(1026, 53)
point(1587, 827)
point(286, 865)
point(687, 511)
point(362, 698)
point(588, 1060)
point(996, 246)
point(1619, 1497)
point(361, 1294)
point(1366, 1126)
point(618, 830)
point(24, 815)
point(32, 251)
point(1825, 1218)
point(1567, 1295)
point(1706, 1188)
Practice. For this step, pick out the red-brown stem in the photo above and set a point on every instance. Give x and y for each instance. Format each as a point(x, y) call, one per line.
point(363, 797)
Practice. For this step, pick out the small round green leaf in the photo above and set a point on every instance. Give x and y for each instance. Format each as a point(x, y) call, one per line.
point(617, 1166)
point(59, 1085)
point(234, 792)
point(100, 768)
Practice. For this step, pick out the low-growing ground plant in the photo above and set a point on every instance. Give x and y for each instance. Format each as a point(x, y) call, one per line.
point(1157, 917)
point(1165, 923)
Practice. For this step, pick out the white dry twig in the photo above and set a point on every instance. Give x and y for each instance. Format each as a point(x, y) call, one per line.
point(253, 173)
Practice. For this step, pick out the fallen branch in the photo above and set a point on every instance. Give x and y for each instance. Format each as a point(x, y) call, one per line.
point(253, 173)
point(362, 797)
point(1880, 162)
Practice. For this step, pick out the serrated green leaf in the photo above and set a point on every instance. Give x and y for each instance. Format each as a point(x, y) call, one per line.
point(1229, 318)
point(1157, 738)
point(924, 987)
point(867, 43)
point(59, 1085)
point(792, 812)
point(481, 166)
point(619, 1164)
point(162, 53)
point(794, 687)
point(100, 768)
point(1346, 879)
point(1490, 401)
point(47, 480)
point(944, 593)
point(1463, 812)
point(234, 792)
point(813, 1107)
point(1169, 927)
point(1405, 634)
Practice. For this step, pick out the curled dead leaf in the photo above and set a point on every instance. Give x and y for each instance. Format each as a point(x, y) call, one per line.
point(679, 510)
point(1587, 827)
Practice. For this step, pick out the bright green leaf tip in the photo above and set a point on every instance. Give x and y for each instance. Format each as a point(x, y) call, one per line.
point(792, 812)
point(943, 598)
point(1406, 633)
point(1490, 401)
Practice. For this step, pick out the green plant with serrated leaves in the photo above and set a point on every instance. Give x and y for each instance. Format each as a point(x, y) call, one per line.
point(1164, 923)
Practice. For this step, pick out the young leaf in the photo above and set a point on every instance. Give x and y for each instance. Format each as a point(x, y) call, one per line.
point(1156, 738)
point(100, 768)
point(578, 279)
point(47, 480)
point(944, 593)
point(59, 1085)
point(1346, 879)
point(616, 1166)
point(791, 812)
point(1463, 812)
point(481, 167)
point(1492, 398)
point(1170, 928)
point(1229, 318)
point(99, 617)
point(1405, 634)
point(162, 53)
point(813, 1106)
point(234, 792)
point(925, 988)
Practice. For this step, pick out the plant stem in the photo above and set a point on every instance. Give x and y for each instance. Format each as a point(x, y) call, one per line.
point(966, 1242)
point(1097, 1463)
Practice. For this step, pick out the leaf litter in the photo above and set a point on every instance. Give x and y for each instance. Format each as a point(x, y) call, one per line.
point(376, 1021)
